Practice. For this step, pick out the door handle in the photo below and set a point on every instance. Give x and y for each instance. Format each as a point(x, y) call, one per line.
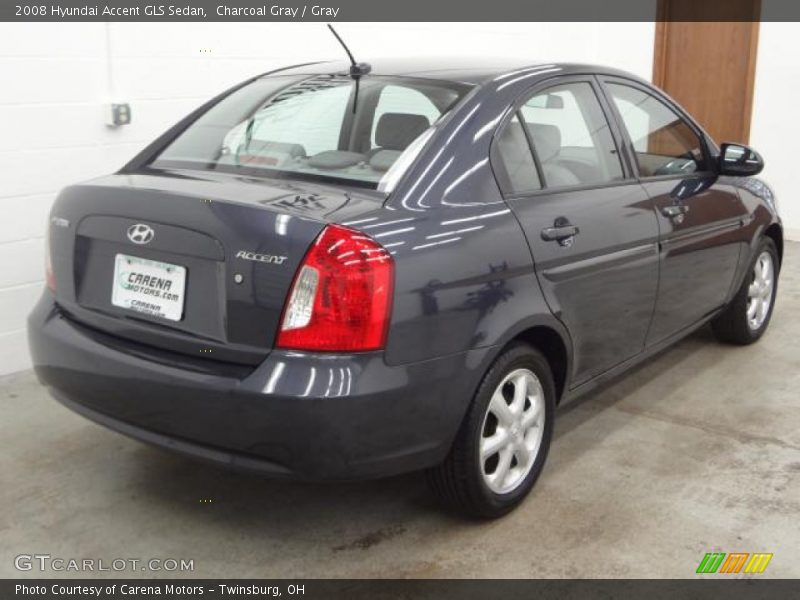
point(674, 210)
point(562, 232)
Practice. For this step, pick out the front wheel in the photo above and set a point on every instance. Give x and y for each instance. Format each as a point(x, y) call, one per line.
point(747, 317)
point(502, 445)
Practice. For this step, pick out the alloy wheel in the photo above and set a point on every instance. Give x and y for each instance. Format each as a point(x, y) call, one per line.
point(759, 294)
point(512, 431)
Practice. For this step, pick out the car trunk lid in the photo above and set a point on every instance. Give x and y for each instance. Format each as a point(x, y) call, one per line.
point(208, 263)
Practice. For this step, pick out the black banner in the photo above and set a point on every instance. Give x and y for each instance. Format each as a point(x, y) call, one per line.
point(463, 589)
point(407, 10)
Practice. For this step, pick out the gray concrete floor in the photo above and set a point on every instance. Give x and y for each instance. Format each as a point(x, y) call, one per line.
point(696, 451)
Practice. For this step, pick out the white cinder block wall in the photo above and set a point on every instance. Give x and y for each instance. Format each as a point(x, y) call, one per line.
point(775, 127)
point(56, 78)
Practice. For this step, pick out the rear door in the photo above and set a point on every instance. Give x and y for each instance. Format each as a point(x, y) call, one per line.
point(590, 225)
point(700, 215)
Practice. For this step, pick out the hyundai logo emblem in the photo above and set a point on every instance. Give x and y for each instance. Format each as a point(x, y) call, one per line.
point(140, 233)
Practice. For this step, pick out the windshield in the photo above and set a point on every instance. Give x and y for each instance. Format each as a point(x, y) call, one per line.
point(323, 127)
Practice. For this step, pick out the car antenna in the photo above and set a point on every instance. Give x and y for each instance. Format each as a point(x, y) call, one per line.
point(357, 70)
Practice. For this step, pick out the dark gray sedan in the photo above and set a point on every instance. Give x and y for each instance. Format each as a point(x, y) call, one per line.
point(324, 274)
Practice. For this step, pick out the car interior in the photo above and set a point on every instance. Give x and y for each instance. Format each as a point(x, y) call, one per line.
point(328, 136)
point(570, 137)
point(394, 132)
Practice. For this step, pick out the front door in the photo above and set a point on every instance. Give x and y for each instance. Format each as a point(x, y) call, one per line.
point(590, 225)
point(700, 215)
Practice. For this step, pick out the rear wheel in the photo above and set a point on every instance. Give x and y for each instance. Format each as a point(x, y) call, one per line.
point(502, 445)
point(747, 317)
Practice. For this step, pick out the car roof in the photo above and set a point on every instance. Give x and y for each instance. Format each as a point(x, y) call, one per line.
point(474, 71)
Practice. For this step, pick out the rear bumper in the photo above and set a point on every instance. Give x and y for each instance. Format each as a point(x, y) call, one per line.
point(296, 415)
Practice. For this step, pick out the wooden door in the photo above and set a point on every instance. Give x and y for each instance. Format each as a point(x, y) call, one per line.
point(709, 66)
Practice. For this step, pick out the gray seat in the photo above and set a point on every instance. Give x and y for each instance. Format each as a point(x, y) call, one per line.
point(382, 160)
point(516, 156)
point(395, 131)
point(393, 134)
point(547, 141)
point(335, 159)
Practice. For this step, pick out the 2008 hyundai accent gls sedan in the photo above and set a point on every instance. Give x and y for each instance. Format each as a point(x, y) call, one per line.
point(324, 274)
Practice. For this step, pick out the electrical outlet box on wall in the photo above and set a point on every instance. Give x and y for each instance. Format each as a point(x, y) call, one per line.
point(118, 114)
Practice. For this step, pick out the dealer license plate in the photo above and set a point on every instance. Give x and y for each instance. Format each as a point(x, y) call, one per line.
point(149, 286)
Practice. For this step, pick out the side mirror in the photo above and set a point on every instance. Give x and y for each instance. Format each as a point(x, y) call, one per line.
point(739, 160)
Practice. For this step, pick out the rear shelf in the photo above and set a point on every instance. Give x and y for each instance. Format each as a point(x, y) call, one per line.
point(239, 257)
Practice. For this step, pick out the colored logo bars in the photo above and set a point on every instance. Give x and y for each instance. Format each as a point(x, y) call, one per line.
point(736, 562)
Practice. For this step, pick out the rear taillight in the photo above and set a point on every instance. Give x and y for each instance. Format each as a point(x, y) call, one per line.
point(341, 299)
point(49, 277)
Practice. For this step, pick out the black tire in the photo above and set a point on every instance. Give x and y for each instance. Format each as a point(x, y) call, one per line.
point(732, 326)
point(458, 482)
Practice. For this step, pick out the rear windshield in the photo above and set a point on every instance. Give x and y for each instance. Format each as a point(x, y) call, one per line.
point(324, 127)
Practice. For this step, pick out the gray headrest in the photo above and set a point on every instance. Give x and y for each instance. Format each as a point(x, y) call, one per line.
point(396, 131)
point(335, 159)
point(546, 140)
point(383, 159)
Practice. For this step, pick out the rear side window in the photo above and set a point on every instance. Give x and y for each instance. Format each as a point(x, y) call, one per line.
point(514, 152)
point(571, 136)
point(663, 143)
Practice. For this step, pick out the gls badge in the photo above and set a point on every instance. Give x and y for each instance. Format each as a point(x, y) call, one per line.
point(265, 258)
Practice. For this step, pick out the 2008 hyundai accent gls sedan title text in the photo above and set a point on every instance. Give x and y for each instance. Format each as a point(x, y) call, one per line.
point(333, 274)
